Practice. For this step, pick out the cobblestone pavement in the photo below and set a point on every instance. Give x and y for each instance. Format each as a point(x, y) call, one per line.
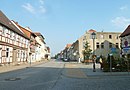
point(72, 70)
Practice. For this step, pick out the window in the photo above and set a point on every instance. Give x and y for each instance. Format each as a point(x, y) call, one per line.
point(20, 39)
point(102, 45)
point(117, 37)
point(1, 27)
point(110, 36)
point(18, 54)
point(3, 32)
point(7, 52)
point(117, 46)
point(97, 45)
point(6, 32)
point(110, 45)
point(11, 34)
point(23, 55)
point(16, 36)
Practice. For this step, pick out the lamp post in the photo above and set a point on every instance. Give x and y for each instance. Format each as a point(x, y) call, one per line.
point(94, 56)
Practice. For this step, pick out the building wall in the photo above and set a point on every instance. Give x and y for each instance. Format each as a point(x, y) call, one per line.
point(73, 51)
point(42, 50)
point(81, 41)
point(10, 42)
point(103, 39)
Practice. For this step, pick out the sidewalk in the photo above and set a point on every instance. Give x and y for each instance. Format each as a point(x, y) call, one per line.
point(72, 70)
point(88, 70)
point(7, 68)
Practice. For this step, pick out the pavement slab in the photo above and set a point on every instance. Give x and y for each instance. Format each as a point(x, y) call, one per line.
point(73, 71)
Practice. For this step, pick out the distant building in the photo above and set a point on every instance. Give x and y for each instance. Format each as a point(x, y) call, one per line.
point(105, 43)
point(44, 52)
point(66, 51)
point(74, 51)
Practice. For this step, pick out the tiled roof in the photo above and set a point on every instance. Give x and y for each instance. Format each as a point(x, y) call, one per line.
point(7, 23)
point(126, 32)
point(39, 34)
point(68, 45)
point(28, 32)
point(91, 30)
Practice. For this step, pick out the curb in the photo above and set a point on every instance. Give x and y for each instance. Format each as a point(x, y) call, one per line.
point(9, 68)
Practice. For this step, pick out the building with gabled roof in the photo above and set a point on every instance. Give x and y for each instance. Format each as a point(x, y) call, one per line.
point(44, 53)
point(13, 43)
point(126, 32)
point(125, 41)
point(105, 43)
point(33, 44)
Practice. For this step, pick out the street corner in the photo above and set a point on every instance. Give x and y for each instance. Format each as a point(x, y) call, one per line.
point(73, 71)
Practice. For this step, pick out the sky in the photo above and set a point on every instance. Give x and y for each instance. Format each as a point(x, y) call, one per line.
point(64, 21)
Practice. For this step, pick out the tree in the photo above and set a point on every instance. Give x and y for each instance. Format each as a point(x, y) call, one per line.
point(87, 51)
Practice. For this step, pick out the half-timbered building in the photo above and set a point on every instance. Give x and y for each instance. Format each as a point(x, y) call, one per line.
point(13, 43)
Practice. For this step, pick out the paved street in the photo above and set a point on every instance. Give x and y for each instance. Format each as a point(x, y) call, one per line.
point(58, 75)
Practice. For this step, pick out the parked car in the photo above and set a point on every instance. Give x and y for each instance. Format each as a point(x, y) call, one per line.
point(65, 59)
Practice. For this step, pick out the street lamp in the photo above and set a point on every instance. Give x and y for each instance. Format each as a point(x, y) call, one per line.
point(93, 37)
point(94, 56)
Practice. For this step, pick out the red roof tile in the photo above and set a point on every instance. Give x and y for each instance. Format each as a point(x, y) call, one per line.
point(68, 45)
point(91, 30)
